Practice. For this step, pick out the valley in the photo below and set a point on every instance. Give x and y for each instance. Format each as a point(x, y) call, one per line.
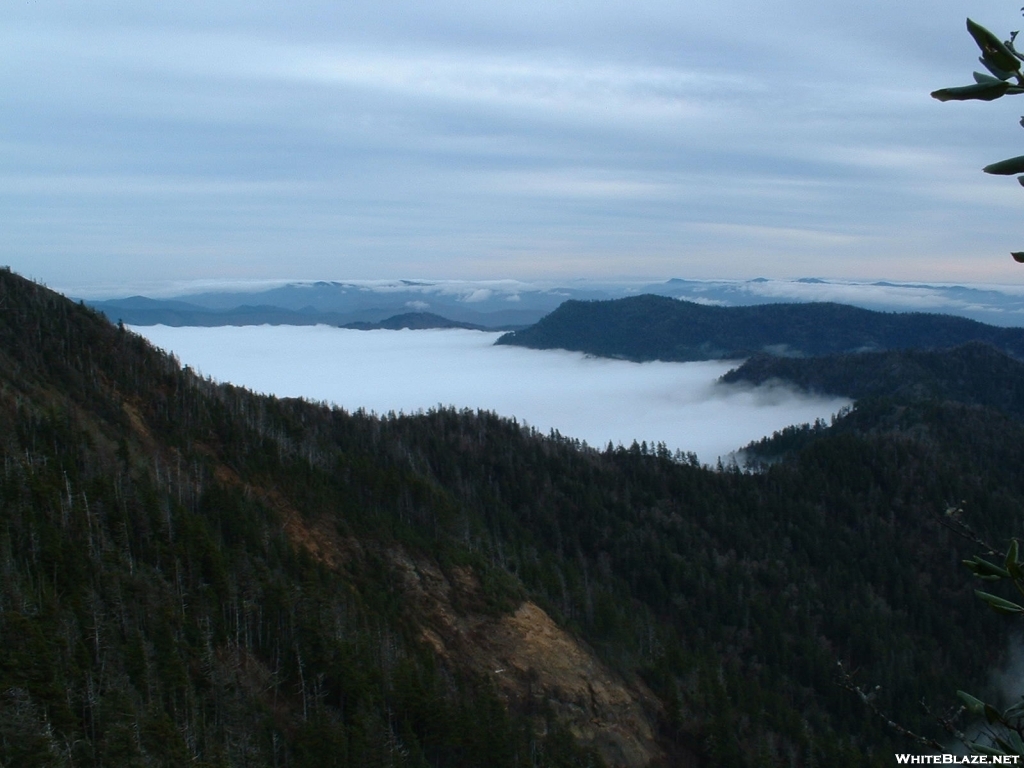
point(196, 573)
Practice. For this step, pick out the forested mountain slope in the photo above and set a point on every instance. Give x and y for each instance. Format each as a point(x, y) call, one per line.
point(658, 328)
point(415, 321)
point(975, 373)
point(191, 574)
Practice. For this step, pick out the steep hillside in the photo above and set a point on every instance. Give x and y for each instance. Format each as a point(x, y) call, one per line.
point(658, 328)
point(191, 574)
point(194, 575)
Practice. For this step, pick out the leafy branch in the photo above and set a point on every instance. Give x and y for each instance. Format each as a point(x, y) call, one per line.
point(1003, 731)
point(1004, 78)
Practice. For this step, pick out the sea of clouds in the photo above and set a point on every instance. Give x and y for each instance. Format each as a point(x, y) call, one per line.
point(593, 399)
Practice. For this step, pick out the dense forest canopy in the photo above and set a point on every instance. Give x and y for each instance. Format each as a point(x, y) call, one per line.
point(190, 573)
point(974, 373)
point(652, 327)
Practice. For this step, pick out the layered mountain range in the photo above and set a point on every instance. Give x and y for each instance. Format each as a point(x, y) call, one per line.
point(510, 303)
point(194, 574)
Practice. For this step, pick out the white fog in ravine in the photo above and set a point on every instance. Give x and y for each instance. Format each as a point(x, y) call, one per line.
point(592, 399)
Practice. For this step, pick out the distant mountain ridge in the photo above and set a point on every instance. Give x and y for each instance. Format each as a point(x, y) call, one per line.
point(141, 311)
point(996, 305)
point(650, 327)
point(500, 305)
point(495, 303)
point(416, 321)
point(196, 574)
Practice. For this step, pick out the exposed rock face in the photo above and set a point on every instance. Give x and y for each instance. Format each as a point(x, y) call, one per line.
point(531, 660)
point(530, 657)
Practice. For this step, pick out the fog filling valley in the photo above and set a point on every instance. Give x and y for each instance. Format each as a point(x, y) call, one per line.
point(592, 399)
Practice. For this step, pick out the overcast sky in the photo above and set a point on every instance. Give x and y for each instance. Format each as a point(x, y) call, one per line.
point(147, 142)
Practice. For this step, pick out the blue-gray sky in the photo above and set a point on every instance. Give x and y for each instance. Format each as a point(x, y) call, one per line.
point(149, 142)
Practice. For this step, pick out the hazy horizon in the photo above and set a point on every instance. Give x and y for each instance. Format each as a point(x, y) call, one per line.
point(507, 302)
point(251, 141)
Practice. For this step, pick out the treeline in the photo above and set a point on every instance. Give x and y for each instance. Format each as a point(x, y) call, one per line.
point(153, 612)
point(156, 607)
point(658, 328)
point(975, 374)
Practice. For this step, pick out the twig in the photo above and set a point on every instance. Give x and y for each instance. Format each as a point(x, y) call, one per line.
point(953, 520)
point(846, 682)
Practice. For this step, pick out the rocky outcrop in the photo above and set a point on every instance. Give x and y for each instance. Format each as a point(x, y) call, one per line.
point(534, 662)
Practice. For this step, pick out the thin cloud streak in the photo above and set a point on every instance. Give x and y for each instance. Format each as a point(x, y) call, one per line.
point(467, 140)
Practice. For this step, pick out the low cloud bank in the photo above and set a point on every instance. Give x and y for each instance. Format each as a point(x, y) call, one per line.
point(994, 304)
point(592, 399)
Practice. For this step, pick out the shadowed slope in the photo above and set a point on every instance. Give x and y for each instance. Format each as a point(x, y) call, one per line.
point(192, 574)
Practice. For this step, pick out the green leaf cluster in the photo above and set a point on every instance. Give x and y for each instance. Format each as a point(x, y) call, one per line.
point(1003, 63)
point(1004, 728)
